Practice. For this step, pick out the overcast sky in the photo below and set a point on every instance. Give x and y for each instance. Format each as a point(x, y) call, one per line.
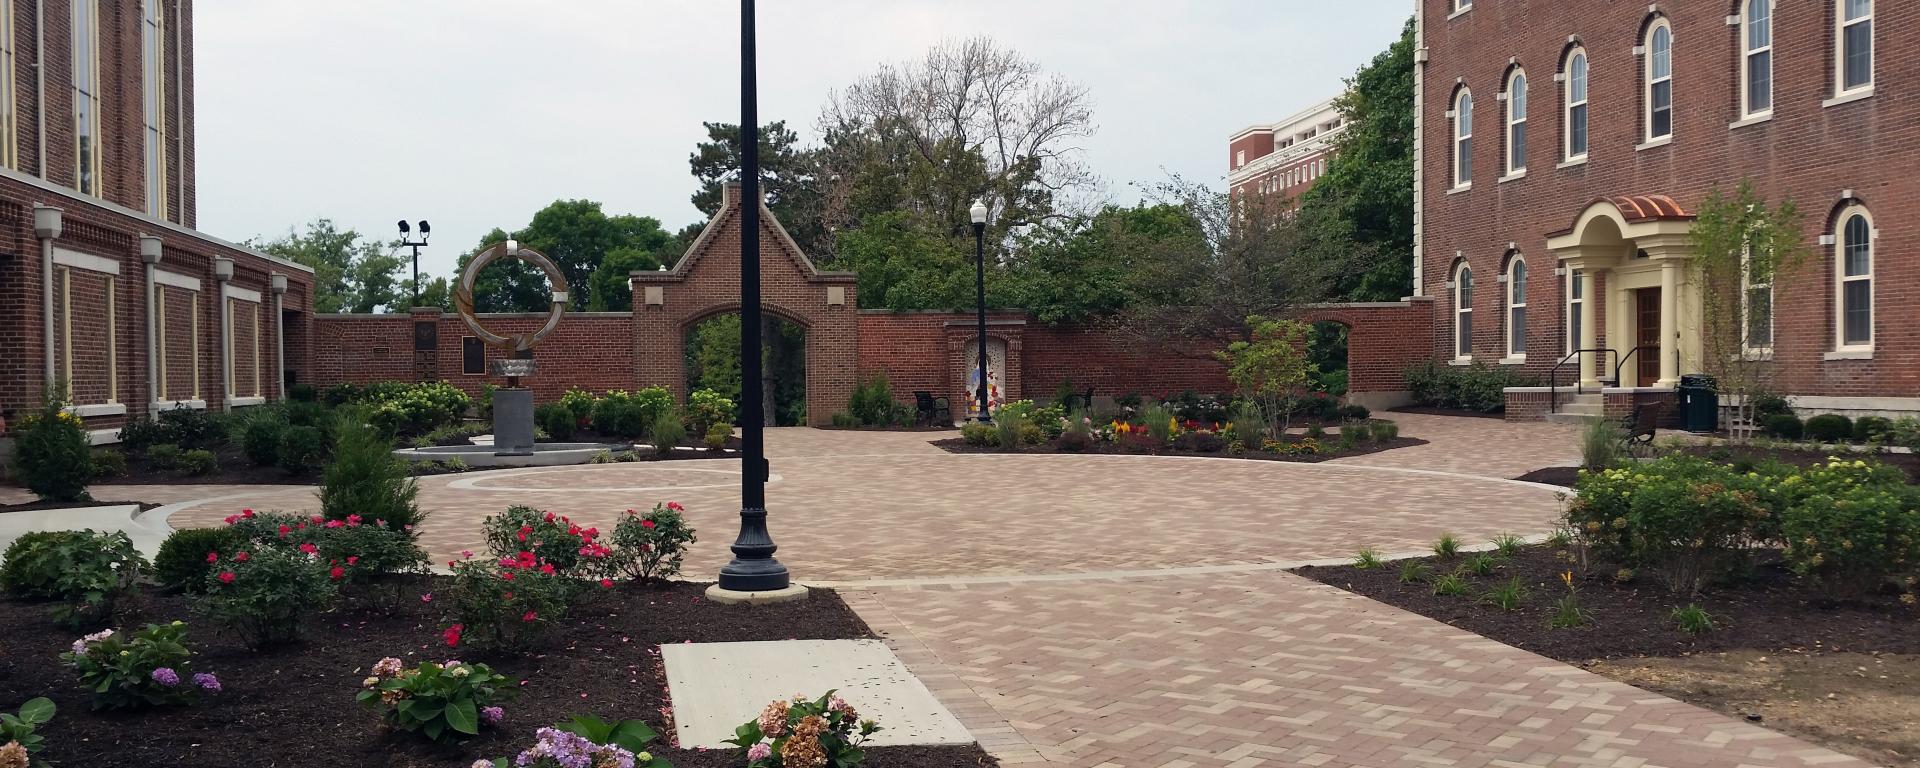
point(476, 113)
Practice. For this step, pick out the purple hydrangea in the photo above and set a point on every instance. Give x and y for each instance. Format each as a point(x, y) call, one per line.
point(758, 752)
point(492, 715)
point(573, 751)
point(207, 682)
point(166, 676)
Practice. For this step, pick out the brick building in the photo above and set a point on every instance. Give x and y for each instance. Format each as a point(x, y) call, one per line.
point(1284, 157)
point(1564, 149)
point(104, 284)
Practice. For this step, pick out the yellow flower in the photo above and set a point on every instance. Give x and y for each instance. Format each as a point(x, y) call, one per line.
point(1567, 577)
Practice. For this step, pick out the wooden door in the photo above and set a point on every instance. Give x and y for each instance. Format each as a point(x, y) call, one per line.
point(1647, 334)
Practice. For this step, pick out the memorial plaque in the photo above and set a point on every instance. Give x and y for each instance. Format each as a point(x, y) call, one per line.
point(513, 367)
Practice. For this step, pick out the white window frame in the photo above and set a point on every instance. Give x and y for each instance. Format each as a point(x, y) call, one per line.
point(1515, 300)
point(1841, 24)
point(1516, 122)
point(154, 105)
point(1463, 139)
point(1747, 287)
point(1462, 5)
point(1747, 52)
point(1841, 279)
point(1463, 311)
point(85, 21)
point(1576, 295)
point(1577, 56)
point(9, 101)
point(1654, 79)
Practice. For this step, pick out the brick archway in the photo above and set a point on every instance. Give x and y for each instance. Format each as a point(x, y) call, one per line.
point(1384, 339)
point(706, 282)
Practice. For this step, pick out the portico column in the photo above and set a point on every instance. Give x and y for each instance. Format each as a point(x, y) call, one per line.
point(1589, 336)
point(1669, 323)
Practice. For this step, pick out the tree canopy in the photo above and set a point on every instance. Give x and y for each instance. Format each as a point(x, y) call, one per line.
point(1366, 197)
point(350, 273)
point(579, 237)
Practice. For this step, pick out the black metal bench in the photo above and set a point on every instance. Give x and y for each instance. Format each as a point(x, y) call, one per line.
point(1085, 402)
point(1639, 428)
point(931, 410)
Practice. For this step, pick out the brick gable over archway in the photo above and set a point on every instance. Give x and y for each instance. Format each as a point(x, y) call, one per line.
point(706, 282)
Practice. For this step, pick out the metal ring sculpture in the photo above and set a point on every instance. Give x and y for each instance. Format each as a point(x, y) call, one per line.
point(463, 295)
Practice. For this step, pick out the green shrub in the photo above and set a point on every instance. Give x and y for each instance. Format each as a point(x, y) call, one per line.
point(302, 449)
point(1682, 515)
point(579, 402)
point(1507, 544)
point(506, 604)
point(1507, 596)
point(1450, 584)
point(1785, 426)
point(1851, 525)
point(191, 428)
point(557, 419)
point(1693, 620)
point(872, 402)
point(979, 435)
point(1368, 558)
point(404, 408)
point(92, 574)
point(717, 435)
point(707, 409)
point(1358, 431)
point(148, 668)
point(366, 480)
point(619, 414)
point(1010, 429)
point(1386, 431)
point(182, 562)
point(1354, 412)
point(1474, 388)
point(650, 547)
point(1829, 428)
point(1481, 564)
point(1872, 429)
point(164, 456)
point(1770, 405)
point(302, 393)
point(1245, 424)
point(1447, 546)
point(1601, 443)
point(261, 442)
point(199, 462)
point(843, 421)
point(51, 453)
point(1414, 572)
point(36, 712)
point(308, 414)
point(668, 432)
point(108, 462)
point(264, 598)
point(444, 702)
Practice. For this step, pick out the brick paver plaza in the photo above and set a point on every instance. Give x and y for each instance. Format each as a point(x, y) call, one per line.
point(1134, 611)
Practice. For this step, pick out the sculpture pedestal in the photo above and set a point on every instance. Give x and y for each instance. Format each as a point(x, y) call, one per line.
point(513, 422)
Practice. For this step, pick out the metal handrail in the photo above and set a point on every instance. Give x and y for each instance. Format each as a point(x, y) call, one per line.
point(1579, 382)
point(1623, 362)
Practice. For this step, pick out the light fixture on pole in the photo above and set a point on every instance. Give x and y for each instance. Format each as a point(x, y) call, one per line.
point(405, 241)
point(979, 214)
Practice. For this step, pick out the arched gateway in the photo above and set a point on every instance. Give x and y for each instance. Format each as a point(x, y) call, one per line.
point(706, 282)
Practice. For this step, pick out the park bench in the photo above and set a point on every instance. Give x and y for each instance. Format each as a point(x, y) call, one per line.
point(931, 410)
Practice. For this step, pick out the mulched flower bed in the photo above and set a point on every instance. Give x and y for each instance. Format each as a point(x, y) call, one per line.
point(1560, 476)
point(913, 428)
point(1768, 609)
point(1907, 462)
point(29, 506)
point(958, 445)
point(1431, 411)
point(295, 707)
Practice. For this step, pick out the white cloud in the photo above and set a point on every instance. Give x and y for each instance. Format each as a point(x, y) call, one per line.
point(476, 113)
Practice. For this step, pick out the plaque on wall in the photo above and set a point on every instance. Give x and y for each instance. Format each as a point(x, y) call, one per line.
point(426, 337)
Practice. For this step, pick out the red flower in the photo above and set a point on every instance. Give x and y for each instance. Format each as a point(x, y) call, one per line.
point(647, 524)
point(607, 583)
point(334, 524)
point(231, 519)
point(337, 573)
point(309, 548)
point(248, 513)
point(452, 636)
point(285, 530)
point(213, 557)
point(675, 506)
point(352, 559)
point(522, 535)
point(241, 557)
point(353, 520)
point(508, 575)
point(549, 517)
point(227, 577)
point(317, 519)
point(530, 616)
point(547, 569)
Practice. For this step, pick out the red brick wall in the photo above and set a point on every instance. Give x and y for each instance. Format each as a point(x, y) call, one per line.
point(589, 350)
point(1807, 153)
point(1383, 340)
point(177, 343)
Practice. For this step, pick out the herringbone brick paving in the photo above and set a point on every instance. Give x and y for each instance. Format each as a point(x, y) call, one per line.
point(1099, 611)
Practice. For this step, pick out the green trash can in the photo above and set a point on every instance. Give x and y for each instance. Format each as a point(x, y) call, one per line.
point(1699, 403)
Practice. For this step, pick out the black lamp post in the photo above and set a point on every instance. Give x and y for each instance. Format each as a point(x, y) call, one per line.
point(753, 568)
point(979, 213)
point(425, 232)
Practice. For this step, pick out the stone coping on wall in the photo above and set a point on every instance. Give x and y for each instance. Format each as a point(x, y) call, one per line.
point(445, 314)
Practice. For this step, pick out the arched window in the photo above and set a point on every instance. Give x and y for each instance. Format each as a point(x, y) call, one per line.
point(1517, 122)
point(1756, 70)
point(1853, 47)
point(1854, 271)
point(1517, 307)
point(1463, 312)
point(1463, 138)
point(1659, 80)
point(1757, 309)
point(1576, 108)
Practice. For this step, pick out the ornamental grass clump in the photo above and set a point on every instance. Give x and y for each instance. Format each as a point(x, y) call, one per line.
point(651, 547)
point(445, 701)
point(148, 668)
point(821, 733)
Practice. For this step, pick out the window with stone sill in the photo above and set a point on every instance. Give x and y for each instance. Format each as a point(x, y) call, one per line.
point(1853, 47)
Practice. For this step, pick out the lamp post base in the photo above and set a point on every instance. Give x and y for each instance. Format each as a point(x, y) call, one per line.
point(791, 593)
point(753, 568)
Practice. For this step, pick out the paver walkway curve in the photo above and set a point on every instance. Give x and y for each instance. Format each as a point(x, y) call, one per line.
point(1098, 611)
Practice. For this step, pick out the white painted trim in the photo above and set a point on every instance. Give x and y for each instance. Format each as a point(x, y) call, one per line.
point(1849, 98)
point(1855, 403)
point(1459, 13)
point(1754, 120)
point(1659, 142)
point(1462, 188)
point(97, 409)
point(243, 402)
point(1578, 161)
point(1461, 361)
point(1514, 360)
point(177, 280)
point(1849, 354)
point(168, 405)
point(1516, 175)
point(1633, 390)
point(231, 291)
point(87, 261)
point(103, 436)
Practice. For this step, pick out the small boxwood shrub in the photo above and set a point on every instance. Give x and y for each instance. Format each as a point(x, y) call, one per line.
point(108, 462)
point(872, 403)
point(303, 449)
point(707, 409)
point(1784, 426)
point(557, 419)
point(1770, 405)
point(164, 456)
point(182, 562)
point(51, 452)
point(1354, 412)
point(199, 462)
point(1867, 429)
point(979, 435)
point(1829, 428)
point(1475, 387)
point(261, 441)
point(717, 435)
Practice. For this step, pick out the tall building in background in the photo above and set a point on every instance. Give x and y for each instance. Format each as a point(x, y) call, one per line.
point(1284, 157)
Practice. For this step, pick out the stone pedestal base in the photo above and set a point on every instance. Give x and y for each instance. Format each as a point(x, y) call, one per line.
point(513, 422)
point(793, 592)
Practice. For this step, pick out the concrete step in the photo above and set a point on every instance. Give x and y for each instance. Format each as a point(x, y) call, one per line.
point(1563, 417)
